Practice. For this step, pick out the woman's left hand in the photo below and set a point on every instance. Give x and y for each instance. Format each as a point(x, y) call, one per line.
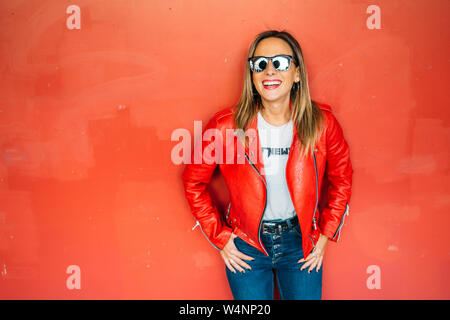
point(315, 258)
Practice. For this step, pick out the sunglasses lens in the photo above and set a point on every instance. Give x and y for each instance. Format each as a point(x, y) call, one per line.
point(281, 63)
point(276, 63)
point(259, 64)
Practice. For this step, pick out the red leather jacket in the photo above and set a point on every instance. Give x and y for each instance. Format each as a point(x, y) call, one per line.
point(327, 174)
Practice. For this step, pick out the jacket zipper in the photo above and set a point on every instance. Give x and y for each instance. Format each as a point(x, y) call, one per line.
point(338, 231)
point(265, 204)
point(317, 191)
point(201, 229)
point(314, 245)
point(228, 211)
point(317, 198)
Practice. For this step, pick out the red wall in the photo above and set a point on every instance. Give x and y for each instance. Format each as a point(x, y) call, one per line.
point(86, 117)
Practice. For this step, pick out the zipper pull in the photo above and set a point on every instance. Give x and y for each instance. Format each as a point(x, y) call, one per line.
point(314, 221)
point(197, 224)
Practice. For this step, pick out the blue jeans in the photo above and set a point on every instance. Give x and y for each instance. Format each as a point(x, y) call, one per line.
point(284, 250)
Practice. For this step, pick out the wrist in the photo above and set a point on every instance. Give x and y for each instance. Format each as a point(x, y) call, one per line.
point(323, 238)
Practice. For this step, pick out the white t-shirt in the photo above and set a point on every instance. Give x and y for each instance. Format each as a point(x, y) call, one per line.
point(275, 143)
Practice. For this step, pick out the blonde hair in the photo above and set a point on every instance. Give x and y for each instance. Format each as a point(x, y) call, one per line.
point(306, 114)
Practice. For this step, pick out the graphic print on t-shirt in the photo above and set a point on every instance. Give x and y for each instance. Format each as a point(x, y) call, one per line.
point(276, 151)
point(275, 144)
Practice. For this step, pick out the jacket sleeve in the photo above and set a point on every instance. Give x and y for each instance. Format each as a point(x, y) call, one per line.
point(339, 174)
point(196, 178)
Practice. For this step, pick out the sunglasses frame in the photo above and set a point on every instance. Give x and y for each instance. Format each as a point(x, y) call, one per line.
point(290, 58)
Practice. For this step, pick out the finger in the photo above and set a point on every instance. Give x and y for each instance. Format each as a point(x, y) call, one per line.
point(306, 265)
point(301, 260)
point(313, 265)
point(310, 256)
point(319, 264)
point(241, 263)
point(236, 265)
point(229, 266)
point(242, 255)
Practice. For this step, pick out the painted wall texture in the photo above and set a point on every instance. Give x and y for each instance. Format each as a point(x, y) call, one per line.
point(91, 201)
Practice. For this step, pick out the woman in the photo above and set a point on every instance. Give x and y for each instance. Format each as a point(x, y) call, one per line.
point(284, 150)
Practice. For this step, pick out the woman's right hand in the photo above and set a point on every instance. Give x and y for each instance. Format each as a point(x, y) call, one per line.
point(233, 257)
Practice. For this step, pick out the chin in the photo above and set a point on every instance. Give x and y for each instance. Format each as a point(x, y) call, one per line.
point(274, 98)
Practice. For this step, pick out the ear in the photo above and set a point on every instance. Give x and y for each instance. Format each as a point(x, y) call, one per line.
point(297, 74)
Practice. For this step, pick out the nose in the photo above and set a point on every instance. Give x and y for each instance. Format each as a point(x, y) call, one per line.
point(270, 68)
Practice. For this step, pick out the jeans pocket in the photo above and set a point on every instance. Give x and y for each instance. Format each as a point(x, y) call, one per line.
point(239, 243)
point(244, 247)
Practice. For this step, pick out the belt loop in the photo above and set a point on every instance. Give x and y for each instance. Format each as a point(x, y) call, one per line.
point(289, 223)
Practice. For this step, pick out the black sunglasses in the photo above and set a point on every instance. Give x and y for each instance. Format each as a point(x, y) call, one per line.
point(280, 62)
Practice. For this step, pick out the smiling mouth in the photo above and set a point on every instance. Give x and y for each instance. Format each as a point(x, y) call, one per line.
point(271, 84)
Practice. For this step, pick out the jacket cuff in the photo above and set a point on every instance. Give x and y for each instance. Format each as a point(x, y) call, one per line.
point(331, 225)
point(223, 237)
point(220, 239)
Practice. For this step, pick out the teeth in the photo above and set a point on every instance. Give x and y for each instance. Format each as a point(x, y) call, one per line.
point(271, 83)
